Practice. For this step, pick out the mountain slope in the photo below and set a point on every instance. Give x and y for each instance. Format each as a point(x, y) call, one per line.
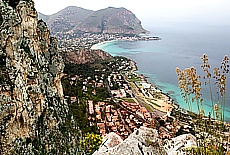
point(66, 19)
point(111, 20)
point(108, 20)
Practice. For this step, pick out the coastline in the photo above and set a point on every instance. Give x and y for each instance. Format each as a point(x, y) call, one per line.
point(164, 105)
point(174, 104)
point(165, 102)
point(145, 79)
point(126, 38)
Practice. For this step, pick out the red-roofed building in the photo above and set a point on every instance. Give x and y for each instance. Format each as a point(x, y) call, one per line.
point(91, 109)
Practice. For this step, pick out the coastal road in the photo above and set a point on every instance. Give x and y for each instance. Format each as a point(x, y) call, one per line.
point(140, 98)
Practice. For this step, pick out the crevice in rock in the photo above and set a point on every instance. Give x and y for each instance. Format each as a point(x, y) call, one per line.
point(140, 148)
point(1, 19)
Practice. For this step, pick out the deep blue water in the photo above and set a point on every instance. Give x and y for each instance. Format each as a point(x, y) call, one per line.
point(181, 46)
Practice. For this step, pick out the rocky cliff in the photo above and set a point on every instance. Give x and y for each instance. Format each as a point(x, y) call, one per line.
point(108, 20)
point(33, 111)
point(84, 56)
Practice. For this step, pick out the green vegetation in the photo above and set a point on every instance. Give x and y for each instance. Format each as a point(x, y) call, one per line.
point(89, 69)
point(82, 83)
point(91, 142)
point(134, 78)
point(79, 113)
point(128, 100)
point(146, 105)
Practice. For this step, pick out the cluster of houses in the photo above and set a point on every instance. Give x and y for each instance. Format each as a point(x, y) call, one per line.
point(122, 113)
point(74, 41)
point(121, 119)
point(119, 87)
point(97, 80)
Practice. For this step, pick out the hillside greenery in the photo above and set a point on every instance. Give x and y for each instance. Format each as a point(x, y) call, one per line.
point(78, 108)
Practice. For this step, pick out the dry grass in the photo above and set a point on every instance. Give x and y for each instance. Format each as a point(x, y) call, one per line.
point(190, 87)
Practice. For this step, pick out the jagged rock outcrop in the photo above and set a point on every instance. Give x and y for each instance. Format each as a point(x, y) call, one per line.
point(84, 56)
point(33, 111)
point(145, 141)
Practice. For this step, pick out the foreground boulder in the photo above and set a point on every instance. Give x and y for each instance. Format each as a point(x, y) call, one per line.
point(144, 141)
point(178, 144)
point(141, 141)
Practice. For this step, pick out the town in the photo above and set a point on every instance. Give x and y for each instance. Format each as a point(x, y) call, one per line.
point(131, 101)
point(69, 42)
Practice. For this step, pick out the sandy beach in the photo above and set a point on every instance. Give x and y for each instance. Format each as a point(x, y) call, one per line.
point(96, 46)
point(157, 101)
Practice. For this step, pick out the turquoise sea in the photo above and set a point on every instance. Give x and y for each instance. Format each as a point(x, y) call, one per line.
point(181, 46)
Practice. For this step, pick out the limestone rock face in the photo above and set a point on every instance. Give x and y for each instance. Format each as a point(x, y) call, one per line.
point(31, 96)
point(177, 144)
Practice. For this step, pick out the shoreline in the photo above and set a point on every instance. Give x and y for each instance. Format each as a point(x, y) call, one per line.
point(164, 106)
point(126, 38)
point(165, 101)
point(144, 78)
point(174, 104)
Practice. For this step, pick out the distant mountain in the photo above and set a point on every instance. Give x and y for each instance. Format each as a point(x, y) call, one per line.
point(66, 19)
point(43, 16)
point(108, 20)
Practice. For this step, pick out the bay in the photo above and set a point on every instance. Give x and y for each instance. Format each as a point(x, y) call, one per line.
point(181, 46)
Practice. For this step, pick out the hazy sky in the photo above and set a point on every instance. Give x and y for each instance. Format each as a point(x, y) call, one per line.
point(148, 11)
